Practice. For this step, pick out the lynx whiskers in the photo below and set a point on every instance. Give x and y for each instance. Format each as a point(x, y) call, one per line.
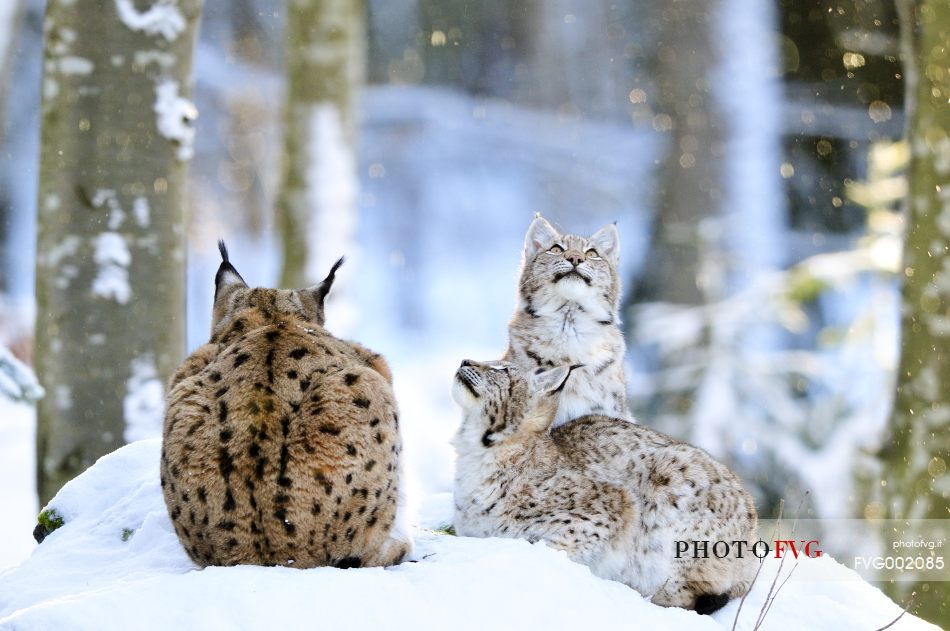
point(568, 315)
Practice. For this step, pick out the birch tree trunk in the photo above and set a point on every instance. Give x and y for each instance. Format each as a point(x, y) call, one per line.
point(317, 204)
point(11, 13)
point(917, 449)
point(116, 133)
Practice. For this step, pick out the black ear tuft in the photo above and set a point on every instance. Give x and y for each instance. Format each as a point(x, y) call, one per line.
point(324, 287)
point(226, 273)
point(335, 267)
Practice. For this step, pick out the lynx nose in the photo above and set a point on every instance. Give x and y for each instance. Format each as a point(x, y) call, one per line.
point(466, 362)
point(575, 258)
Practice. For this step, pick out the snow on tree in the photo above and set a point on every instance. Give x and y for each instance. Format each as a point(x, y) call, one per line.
point(17, 381)
point(116, 135)
point(914, 481)
point(317, 204)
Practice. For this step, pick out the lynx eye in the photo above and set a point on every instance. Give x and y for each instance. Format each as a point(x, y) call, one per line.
point(592, 254)
point(555, 249)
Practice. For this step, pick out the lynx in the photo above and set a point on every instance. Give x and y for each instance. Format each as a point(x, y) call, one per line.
point(281, 442)
point(568, 315)
point(613, 495)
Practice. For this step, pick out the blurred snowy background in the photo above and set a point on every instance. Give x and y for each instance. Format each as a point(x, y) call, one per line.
point(748, 150)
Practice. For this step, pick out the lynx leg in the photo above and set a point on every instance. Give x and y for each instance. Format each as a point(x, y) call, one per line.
point(393, 552)
point(399, 544)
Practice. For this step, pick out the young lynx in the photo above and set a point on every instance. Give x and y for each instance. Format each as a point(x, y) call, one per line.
point(568, 315)
point(281, 442)
point(614, 495)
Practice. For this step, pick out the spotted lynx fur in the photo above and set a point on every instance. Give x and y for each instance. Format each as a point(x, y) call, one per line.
point(568, 315)
point(614, 495)
point(281, 442)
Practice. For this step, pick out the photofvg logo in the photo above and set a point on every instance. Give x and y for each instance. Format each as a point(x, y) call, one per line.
point(877, 550)
point(739, 549)
point(915, 552)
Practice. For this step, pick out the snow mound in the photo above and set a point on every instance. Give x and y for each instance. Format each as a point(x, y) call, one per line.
point(116, 563)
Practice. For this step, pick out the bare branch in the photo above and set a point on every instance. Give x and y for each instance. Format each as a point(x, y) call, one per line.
point(910, 601)
point(781, 510)
point(773, 592)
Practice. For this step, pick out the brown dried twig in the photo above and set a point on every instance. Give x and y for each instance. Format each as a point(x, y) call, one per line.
point(735, 621)
point(773, 592)
point(910, 601)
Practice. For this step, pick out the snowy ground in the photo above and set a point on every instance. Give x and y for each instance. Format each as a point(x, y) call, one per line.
point(116, 563)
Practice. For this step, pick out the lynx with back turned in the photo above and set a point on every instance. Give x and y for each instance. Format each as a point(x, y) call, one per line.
point(569, 315)
point(281, 442)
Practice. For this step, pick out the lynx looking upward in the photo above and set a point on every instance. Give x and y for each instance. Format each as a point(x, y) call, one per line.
point(568, 303)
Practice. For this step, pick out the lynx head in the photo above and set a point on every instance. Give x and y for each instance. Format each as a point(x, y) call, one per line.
point(500, 401)
point(560, 268)
point(232, 296)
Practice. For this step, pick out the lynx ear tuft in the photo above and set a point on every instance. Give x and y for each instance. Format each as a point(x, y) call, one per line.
point(320, 291)
point(226, 275)
point(541, 235)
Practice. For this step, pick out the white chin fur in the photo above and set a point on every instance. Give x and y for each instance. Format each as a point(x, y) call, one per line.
point(462, 395)
point(572, 288)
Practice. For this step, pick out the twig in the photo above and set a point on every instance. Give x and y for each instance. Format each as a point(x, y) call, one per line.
point(769, 606)
point(910, 601)
point(773, 592)
point(768, 596)
point(662, 587)
point(781, 509)
point(742, 600)
point(431, 554)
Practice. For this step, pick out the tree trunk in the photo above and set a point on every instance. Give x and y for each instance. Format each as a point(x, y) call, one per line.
point(116, 133)
point(690, 184)
point(918, 446)
point(11, 13)
point(748, 97)
point(573, 64)
point(690, 174)
point(317, 205)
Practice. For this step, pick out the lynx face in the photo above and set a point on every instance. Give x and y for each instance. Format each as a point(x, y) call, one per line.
point(558, 268)
point(232, 296)
point(499, 400)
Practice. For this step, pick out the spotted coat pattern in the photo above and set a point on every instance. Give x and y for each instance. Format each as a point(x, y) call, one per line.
point(568, 315)
point(281, 442)
point(614, 495)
